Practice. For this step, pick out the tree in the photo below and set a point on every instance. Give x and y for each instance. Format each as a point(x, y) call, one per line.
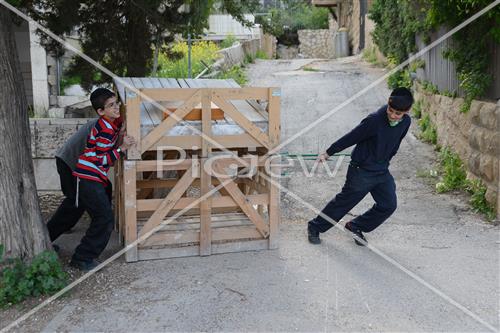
point(122, 35)
point(22, 231)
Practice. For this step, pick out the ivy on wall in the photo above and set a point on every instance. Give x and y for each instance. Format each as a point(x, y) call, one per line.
point(398, 21)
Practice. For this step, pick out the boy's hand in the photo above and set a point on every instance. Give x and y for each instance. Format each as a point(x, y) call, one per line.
point(128, 141)
point(323, 157)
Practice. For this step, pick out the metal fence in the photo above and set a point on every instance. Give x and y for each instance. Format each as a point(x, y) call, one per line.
point(442, 72)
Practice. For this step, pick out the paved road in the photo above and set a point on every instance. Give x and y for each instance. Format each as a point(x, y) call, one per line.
point(336, 286)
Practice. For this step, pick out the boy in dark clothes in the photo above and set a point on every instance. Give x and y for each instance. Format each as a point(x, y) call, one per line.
point(93, 189)
point(377, 139)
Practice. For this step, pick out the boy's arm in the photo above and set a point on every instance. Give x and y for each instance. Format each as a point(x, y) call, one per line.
point(105, 156)
point(361, 132)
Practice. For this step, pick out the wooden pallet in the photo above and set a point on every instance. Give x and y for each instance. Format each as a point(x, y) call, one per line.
point(242, 214)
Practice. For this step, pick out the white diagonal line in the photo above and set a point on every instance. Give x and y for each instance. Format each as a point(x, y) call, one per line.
point(437, 291)
point(382, 79)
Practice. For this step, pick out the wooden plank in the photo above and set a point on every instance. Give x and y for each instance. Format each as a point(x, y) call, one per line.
point(243, 202)
point(274, 204)
point(133, 124)
point(168, 203)
point(242, 93)
point(170, 94)
point(274, 116)
point(174, 83)
point(190, 251)
point(206, 122)
point(170, 122)
point(129, 175)
point(246, 124)
point(182, 83)
point(205, 208)
point(193, 236)
point(148, 205)
point(165, 165)
point(188, 141)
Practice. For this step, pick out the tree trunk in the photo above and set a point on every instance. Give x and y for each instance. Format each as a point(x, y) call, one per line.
point(22, 231)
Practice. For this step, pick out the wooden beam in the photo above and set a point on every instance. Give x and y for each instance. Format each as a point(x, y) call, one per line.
point(129, 176)
point(149, 205)
point(166, 165)
point(189, 141)
point(133, 123)
point(274, 117)
point(205, 208)
point(241, 93)
point(274, 205)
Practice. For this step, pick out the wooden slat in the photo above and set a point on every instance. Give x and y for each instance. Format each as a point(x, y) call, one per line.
point(188, 141)
point(148, 205)
point(206, 121)
point(274, 116)
point(274, 204)
point(205, 205)
point(129, 175)
point(182, 83)
point(242, 93)
point(134, 126)
point(168, 203)
point(246, 124)
point(170, 122)
point(170, 94)
point(243, 202)
point(166, 165)
point(194, 236)
point(190, 251)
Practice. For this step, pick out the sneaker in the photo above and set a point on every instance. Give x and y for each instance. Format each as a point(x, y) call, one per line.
point(313, 235)
point(84, 265)
point(357, 235)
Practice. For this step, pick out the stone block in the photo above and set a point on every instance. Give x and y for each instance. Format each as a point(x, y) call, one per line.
point(56, 112)
point(474, 112)
point(474, 162)
point(487, 167)
point(491, 196)
point(491, 142)
point(489, 115)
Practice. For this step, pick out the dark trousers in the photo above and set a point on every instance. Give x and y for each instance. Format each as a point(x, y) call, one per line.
point(95, 198)
point(360, 182)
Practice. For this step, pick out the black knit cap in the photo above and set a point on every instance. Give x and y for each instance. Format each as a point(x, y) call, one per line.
point(401, 99)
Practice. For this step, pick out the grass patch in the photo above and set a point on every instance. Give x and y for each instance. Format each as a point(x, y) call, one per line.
point(228, 41)
point(416, 109)
point(428, 130)
point(310, 69)
point(477, 190)
point(236, 73)
point(261, 55)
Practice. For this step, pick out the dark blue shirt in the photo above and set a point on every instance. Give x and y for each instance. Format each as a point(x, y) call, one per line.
point(376, 141)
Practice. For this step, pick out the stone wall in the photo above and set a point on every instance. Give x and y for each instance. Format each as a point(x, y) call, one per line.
point(316, 43)
point(474, 136)
point(235, 55)
point(47, 135)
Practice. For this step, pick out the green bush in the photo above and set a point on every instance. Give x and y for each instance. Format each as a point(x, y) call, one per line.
point(417, 109)
point(67, 81)
point(454, 176)
point(261, 55)
point(399, 78)
point(19, 280)
point(477, 190)
point(236, 73)
point(249, 59)
point(177, 67)
point(228, 41)
point(428, 130)
point(430, 87)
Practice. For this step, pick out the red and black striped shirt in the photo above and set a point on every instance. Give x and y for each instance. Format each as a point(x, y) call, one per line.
point(100, 152)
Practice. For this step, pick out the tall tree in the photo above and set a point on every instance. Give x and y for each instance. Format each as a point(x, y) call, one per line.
point(22, 231)
point(122, 34)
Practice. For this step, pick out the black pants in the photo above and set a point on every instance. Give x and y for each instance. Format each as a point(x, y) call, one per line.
point(95, 198)
point(360, 182)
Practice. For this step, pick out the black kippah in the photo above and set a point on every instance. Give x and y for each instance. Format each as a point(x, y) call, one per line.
point(401, 99)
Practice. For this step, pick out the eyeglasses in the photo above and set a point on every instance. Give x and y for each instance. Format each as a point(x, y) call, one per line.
point(113, 105)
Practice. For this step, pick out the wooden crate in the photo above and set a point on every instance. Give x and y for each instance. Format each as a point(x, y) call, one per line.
point(160, 215)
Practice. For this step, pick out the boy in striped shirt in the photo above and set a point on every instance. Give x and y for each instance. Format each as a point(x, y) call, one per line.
point(93, 186)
